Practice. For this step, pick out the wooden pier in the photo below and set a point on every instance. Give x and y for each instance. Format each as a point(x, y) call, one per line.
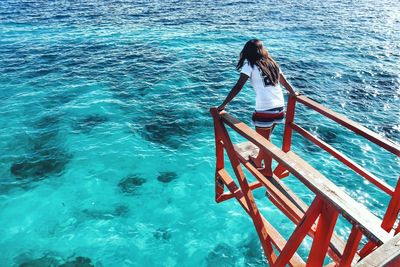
point(319, 219)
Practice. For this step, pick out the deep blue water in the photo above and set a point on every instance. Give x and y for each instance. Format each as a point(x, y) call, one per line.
point(107, 143)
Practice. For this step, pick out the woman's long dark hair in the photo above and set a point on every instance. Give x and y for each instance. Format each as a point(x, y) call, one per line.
point(256, 54)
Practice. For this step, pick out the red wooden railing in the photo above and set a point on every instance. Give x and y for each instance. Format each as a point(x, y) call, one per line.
point(319, 219)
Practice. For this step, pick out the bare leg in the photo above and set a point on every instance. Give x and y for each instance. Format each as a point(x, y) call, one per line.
point(267, 171)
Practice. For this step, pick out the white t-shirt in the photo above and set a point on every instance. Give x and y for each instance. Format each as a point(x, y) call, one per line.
point(268, 96)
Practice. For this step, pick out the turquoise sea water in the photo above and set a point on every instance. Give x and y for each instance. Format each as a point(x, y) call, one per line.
point(107, 144)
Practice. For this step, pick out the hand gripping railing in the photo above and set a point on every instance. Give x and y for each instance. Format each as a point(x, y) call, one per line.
point(319, 219)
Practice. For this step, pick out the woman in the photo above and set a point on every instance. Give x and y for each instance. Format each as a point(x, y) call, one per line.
point(264, 73)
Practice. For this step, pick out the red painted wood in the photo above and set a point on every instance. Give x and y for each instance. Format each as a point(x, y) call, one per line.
point(322, 237)
point(287, 134)
point(219, 154)
point(244, 186)
point(300, 232)
point(393, 209)
point(345, 160)
point(277, 240)
point(351, 247)
point(327, 213)
point(351, 125)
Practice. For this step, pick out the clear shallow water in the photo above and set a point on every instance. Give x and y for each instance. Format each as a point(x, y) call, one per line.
point(107, 144)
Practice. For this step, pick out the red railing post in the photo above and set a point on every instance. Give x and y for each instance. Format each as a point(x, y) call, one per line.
point(280, 171)
point(287, 134)
point(351, 247)
point(244, 186)
point(300, 232)
point(323, 234)
point(393, 209)
point(219, 153)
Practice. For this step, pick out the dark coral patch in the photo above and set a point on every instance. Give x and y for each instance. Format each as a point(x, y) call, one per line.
point(169, 127)
point(47, 122)
point(130, 184)
point(40, 165)
point(87, 124)
point(167, 177)
point(47, 261)
point(121, 210)
point(162, 234)
point(168, 133)
point(78, 262)
point(222, 255)
point(253, 254)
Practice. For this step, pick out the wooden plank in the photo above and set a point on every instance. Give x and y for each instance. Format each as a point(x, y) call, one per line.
point(276, 238)
point(246, 149)
point(355, 212)
point(351, 125)
point(275, 186)
point(345, 160)
point(386, 255)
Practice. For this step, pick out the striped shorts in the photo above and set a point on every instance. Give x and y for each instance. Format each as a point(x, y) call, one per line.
point(267, 118)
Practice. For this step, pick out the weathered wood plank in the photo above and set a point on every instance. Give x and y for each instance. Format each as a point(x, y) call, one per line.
point(272, 184)
point(386, 255)
point(355, 212)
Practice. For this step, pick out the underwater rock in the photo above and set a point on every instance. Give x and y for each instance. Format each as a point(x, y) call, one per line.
point(166, 177)
point(168, 133)
point(121, 210)
point(222, 255)
point(39, 166)
point(78, 262)
point(169, 127)
point(130, 184)
point(45, 261)
point(253, 253)
point(87, 124)
point(47, 121)
point(162, 234)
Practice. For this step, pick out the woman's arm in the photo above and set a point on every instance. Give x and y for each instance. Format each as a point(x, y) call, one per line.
point(235, 90)
point(286, 84)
